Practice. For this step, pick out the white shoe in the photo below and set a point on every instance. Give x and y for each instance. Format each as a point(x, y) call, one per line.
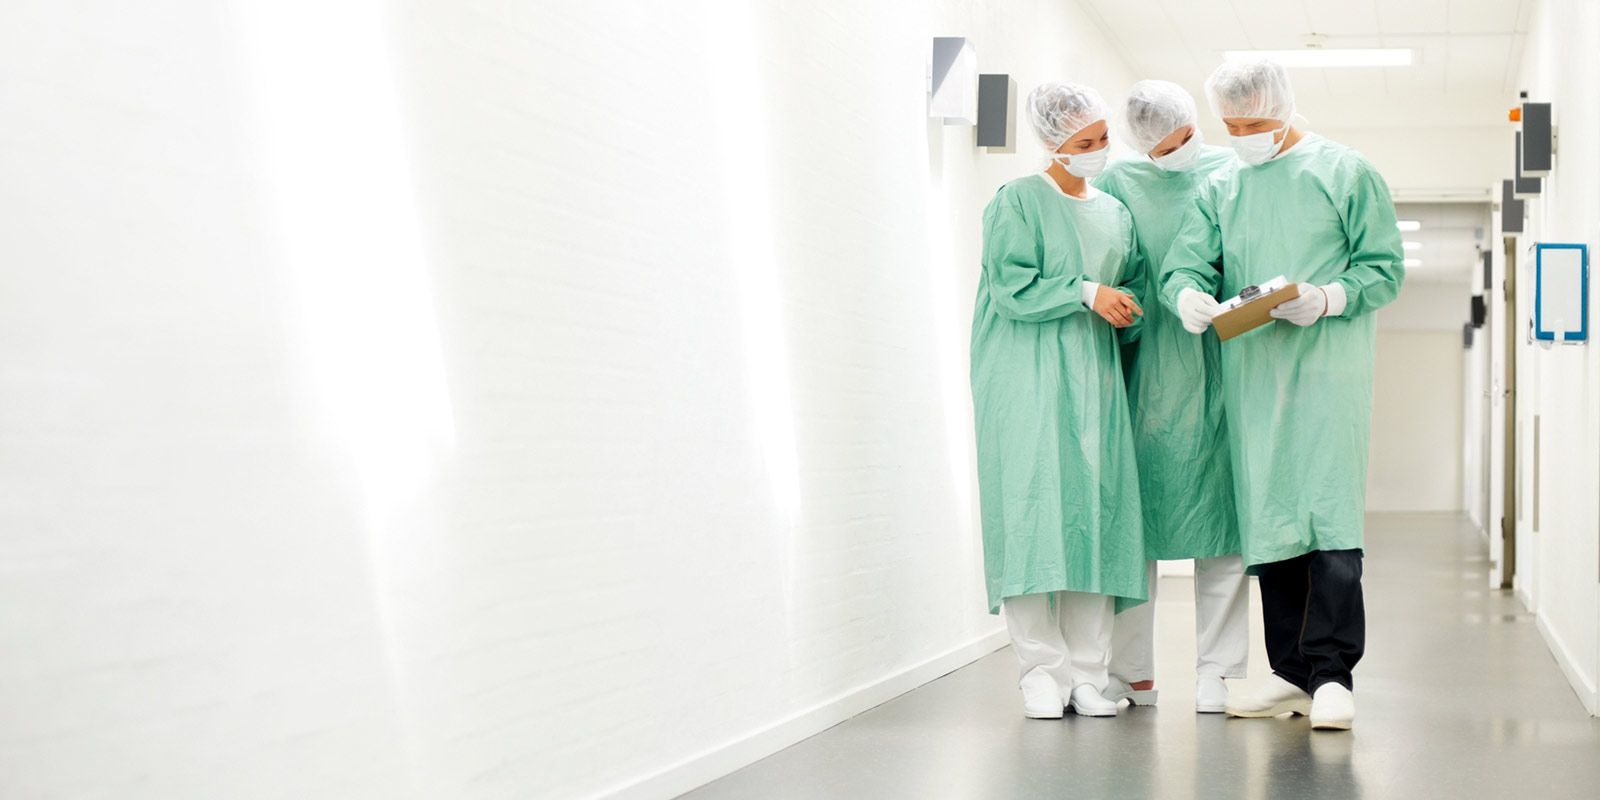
point(1269, 698)
point(1041, 697)
point(1210, 695)
point(1333, 708)
point(1088, 702)
point(1120, 690)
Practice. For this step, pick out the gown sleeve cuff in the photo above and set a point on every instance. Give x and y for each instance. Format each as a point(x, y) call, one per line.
point(1090, 289)
point(1337, 300)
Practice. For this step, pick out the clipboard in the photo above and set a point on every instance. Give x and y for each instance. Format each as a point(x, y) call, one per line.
point(1251, 309)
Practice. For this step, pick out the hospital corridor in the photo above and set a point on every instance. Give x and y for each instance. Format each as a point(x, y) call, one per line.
point(726, 399)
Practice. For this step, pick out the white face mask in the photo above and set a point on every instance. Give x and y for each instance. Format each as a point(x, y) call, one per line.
point(1084, 165)
point(1184, 157)
point(1258, 148)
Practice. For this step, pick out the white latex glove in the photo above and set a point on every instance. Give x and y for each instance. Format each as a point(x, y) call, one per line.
point(1306, 309)
point(1196, 309)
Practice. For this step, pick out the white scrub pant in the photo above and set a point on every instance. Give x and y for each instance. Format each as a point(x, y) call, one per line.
point(1066, 635)
point(1221, 625)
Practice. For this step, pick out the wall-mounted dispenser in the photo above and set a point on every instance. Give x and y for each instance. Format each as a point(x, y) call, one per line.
point(1511, 211)
point(1537, 155)
point(953, 81)
point(1524, 186)
point(996, 101)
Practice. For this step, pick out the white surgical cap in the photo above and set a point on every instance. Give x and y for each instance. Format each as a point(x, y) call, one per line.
point(1059, 110)
point(1251, 89)
point(1154, 110)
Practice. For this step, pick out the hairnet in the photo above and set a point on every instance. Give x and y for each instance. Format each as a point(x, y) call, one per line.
point(1251, 89)
point(1153, 111)
point(1059, 110)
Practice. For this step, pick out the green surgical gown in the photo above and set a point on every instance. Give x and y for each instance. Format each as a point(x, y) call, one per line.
point(1056, 477)
point(1175, 382)
point(1298, 400)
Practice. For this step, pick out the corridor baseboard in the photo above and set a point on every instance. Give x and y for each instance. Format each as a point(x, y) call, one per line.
point(707, 766)
point(1582, 685)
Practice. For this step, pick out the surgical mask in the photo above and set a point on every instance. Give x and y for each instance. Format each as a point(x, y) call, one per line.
point(1084, 165)
point(1184, 157)
point(1258, 148)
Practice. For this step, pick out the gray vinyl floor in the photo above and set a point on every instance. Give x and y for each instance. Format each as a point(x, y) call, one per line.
point(1457, 697)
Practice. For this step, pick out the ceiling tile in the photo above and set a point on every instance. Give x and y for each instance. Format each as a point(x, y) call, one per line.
point(1353, 40)
point(1476, 64)
point(1273, 24)
point(1129, 18)
point(1355, 83)
point(1427, 74)
point(1209, 27)
point(1428, 51)
point(1456, 80)
point(1415, 81)
point(1135, 25)
point(1354, 18)
point(1483, 16)
point(1413, 16)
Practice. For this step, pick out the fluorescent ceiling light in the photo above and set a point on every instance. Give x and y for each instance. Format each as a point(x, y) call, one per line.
point(1329, 57)
point(1408, 225)
point(1413, 262)
point(1412, 245)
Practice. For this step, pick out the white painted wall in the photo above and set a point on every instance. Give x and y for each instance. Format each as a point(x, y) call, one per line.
point(1414, 458)
point(482, 400)
point(1427, 163)
point(1420, 163)
point(1425, 307)
point(1494, 385)
point(1562, 384)
point(1414, 462)
point(1476, 421)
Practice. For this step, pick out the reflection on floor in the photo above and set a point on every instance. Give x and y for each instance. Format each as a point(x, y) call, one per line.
point(1457, 697)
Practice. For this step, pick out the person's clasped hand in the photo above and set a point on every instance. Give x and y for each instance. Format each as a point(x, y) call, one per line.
point(1116, 307)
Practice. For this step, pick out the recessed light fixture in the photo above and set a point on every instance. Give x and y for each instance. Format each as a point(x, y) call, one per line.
point(1413, 262)
point(1320, 58)
point(1409, 245)
point(1408, 225)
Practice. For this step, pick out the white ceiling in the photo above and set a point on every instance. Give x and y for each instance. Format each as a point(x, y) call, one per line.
point(1467, 52)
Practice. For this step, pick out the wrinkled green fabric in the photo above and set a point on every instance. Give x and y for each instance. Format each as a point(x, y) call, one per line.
point(1057, 480)
point(1175, 382)
point(1298, 400)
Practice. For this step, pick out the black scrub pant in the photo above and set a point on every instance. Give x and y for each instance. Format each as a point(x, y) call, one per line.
point(1315, 620)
